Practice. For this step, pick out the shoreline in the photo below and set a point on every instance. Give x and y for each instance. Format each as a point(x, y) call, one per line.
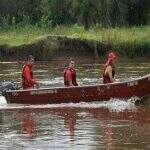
point(74, 42)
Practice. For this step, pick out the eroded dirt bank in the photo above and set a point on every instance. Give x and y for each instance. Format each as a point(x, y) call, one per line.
point(60, 47)
point(49, 48)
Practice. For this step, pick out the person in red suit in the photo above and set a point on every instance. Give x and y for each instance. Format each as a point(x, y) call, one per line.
point(70, 75)
point(109, 69)
point(27, 74)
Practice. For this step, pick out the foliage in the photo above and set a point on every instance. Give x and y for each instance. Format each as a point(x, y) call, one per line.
point(89, 13)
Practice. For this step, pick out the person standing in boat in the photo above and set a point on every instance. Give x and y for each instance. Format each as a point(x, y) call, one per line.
point(70, 75)
point(109, 69)
point(27, 74)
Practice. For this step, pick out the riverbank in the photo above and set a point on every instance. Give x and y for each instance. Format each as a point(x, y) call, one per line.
point(61, 42)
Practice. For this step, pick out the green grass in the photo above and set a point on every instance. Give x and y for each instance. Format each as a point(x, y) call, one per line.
point(29, 34)
point(124, 40)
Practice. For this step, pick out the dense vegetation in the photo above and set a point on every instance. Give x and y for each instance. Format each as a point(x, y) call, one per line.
point(89, 13)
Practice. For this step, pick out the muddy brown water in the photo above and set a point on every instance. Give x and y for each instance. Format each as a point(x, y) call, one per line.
point(111, 125)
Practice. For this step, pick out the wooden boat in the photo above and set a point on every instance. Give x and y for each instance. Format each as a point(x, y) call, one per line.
point(139, 87)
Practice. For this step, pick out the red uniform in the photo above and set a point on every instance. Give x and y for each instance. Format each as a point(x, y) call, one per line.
point(106, 77)
point(27, 77)
point(70, 77)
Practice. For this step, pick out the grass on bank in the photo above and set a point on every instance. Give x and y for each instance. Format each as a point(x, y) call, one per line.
point(29, 34)
point(128, 42)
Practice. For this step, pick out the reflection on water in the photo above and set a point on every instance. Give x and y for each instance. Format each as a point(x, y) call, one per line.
point(115, 124)
point(72, 128)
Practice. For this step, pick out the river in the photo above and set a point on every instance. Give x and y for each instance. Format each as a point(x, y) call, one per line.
point(111, 125)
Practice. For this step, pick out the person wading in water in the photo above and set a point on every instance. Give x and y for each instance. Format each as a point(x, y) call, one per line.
point(27, 74)
point(70, 75)
point(109, 69)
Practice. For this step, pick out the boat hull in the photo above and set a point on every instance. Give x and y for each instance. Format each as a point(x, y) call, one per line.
point(122, 90)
